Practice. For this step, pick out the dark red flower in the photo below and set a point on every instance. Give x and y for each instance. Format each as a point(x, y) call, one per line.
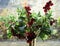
point(52, 21)
point(31, 22)
point(28, 14)
point(50, 2)
point(27, 8)
point(47, 6)
point(32, 19)
point(30, 36)
point(45, 11)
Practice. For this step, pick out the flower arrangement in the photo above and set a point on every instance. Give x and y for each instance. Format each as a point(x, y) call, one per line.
point(31, 25)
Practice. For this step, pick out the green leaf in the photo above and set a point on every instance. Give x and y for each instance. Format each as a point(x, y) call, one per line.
point(43, 36)
point(39, 15)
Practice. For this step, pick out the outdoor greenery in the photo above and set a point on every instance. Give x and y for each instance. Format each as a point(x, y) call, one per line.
point(31, 25)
